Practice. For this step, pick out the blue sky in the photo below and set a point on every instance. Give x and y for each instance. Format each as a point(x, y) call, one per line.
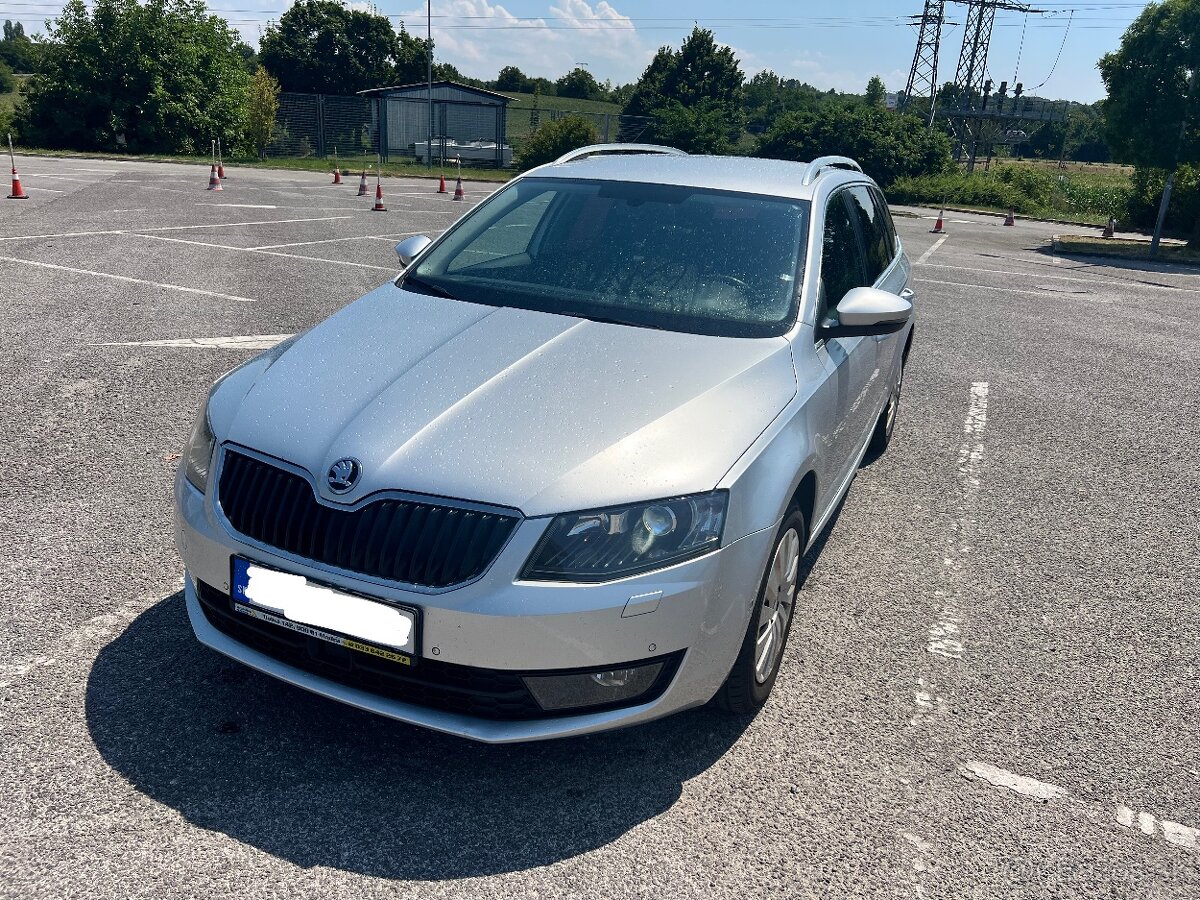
point(830, 45)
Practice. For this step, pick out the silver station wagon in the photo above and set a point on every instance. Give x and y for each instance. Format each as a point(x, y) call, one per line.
point(558, 476)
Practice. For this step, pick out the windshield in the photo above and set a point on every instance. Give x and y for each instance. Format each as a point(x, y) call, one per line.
point(678, 258)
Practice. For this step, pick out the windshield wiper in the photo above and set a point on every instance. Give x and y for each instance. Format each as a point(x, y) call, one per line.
point(613, 320)
point(427, 287)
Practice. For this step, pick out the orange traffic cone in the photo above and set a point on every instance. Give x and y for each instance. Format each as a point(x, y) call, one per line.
point(459, 194)
point(214, 180)
point(378, 207)
point(1110, 227)
point(1011, 219)
point(442, 184)
point(939, 227)
point(18, 192)
point(363, 190)
point(337, 176)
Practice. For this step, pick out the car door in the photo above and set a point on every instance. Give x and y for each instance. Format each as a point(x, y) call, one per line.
point(849, 362)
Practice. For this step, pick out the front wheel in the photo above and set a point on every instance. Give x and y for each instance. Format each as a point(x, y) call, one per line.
point(757, 666)
point(882, 435)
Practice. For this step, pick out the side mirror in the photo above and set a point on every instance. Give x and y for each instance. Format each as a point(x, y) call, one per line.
point(409, 248)
point(866, 311)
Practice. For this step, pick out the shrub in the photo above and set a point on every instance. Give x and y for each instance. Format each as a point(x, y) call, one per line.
point(886, 145)
point(551, 140)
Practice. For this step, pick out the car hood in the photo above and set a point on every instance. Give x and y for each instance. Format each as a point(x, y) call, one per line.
point(541, 412)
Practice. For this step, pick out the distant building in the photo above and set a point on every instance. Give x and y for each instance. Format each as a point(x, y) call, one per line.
point(469, 123)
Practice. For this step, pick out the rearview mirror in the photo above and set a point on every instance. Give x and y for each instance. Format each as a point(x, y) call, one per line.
point(409, 248)
point(866, 311)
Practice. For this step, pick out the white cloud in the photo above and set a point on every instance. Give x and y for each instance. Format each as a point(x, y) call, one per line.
point(572, 32)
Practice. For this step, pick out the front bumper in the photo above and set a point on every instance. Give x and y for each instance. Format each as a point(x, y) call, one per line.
point(500, 623)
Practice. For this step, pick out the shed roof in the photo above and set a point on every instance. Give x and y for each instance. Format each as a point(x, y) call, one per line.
point(424, 85)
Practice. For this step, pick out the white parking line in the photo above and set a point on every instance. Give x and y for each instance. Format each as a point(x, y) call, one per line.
point(1098, 281)
point(126, 278)
point(1019, 784)
point(61, 234)
point(238, 342)
point(932, 250)
point(353, 237)
point(1172, 832)
point(338, 262)
point(244, 224)
point(989, 287)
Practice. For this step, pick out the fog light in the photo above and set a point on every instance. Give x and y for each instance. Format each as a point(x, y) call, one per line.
point(615, 679)
point(583, 689)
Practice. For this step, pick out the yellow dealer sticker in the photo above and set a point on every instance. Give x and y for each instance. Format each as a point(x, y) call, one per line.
point(401, 658)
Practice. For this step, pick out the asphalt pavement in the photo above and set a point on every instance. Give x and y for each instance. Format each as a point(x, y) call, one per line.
point(990, 688)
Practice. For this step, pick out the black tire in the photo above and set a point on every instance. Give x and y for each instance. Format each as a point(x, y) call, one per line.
point(745, 690)
point(886, 424)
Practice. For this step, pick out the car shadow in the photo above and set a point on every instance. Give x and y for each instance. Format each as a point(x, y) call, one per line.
point(321, 784)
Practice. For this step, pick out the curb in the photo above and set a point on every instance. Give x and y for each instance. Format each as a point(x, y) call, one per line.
point(165, 160)
point(1056, 246)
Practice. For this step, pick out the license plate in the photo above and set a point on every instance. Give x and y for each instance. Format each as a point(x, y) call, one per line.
point(348, 620)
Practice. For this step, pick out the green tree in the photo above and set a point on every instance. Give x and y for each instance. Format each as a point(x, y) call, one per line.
point(322, 47)
point(262, 105)
point(702, 78)
point(551, 140)
point(579, 84)
point(876, 95)
point(7, 83)
point(886, 145)
point(1153, 82)
point(17, 50)
point(161, 76)
point(699, 70)
point(700, 128)
point(513, 80)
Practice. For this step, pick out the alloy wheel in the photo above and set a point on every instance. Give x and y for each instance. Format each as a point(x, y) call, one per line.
point(779, 599)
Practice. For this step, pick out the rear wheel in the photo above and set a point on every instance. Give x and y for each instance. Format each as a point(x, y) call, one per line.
point(757, 666)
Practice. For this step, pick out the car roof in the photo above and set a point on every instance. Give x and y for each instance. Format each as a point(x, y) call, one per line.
point(769, 177)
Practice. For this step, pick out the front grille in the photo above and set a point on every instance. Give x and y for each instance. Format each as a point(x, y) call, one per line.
point(416, 543)
point(485, 693)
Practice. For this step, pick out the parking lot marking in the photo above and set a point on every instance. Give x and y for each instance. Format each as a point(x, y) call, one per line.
point(1098, 281)
point(61, 234)
point(1172, 832)
point(239, 224)
point(239, 205)
point(353, 237)
point(988, 287)
point(1018, 784)
point(932, 250)
point(338, 262)
point(126, 278)
point(238, 342)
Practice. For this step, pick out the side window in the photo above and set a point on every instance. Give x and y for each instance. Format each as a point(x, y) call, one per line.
point(842, 267)
point(509, 237)
point(885, 217)
point(876, 234)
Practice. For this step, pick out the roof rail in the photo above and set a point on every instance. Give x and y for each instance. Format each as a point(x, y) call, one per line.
point(617, 149)
point(828, 162)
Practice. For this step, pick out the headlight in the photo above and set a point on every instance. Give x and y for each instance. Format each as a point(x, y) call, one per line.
point(606, 544)
point(197, 455)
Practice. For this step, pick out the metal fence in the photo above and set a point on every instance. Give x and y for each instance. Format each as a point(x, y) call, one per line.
point(361, 128)
point(315, 125)
point(611, 128)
